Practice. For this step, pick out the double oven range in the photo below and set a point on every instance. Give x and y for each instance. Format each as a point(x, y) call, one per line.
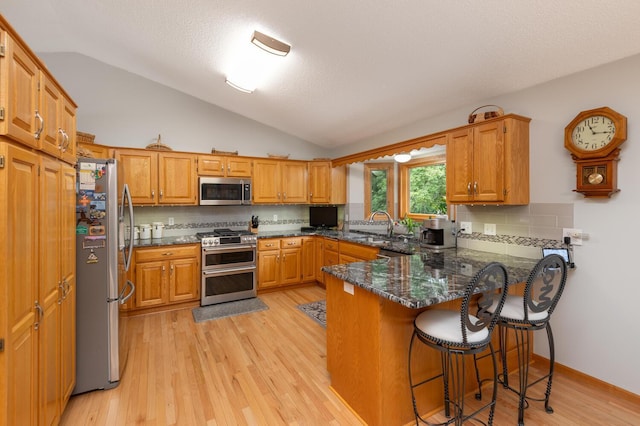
point(228, 266)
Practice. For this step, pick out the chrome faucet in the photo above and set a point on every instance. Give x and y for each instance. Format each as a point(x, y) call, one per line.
point(389, 221)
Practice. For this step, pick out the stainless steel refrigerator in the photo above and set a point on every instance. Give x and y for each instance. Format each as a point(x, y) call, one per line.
point(104, 245)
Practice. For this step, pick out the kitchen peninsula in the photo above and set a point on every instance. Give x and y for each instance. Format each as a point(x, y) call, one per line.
point(370, 311)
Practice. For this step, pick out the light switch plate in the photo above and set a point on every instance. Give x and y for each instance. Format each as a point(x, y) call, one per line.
point(490, 229)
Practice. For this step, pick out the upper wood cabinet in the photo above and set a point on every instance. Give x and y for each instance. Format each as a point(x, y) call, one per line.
point(320, 182)
point(489, 162)
point(96, 150)
point(34, 109)
point(157, 178)
point(277, 181)
point(226, 166)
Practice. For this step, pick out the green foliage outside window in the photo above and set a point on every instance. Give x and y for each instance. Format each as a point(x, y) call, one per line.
point(428, 189)
point(378, 190)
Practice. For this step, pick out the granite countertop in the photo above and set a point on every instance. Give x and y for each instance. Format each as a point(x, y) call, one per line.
point(167, 241)
point(427, 278)
point(397, 244)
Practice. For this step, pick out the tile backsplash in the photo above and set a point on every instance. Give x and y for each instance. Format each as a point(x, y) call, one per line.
point(520, 230)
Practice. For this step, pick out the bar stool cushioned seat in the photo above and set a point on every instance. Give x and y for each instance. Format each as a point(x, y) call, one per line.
point(526, 313)
point(459, 333)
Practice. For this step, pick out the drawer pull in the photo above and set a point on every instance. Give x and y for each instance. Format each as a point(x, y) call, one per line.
point(168, 253)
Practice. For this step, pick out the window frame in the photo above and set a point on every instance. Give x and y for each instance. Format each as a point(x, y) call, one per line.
point(403, 191)
point(389, 168)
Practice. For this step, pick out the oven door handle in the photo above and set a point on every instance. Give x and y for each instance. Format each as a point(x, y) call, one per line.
point(228, 270)
point(222, 249)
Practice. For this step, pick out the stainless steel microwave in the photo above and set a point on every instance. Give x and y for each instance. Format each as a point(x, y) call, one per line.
point(224, 191)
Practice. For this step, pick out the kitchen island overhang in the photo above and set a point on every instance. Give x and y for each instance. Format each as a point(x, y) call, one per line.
point(370, 311)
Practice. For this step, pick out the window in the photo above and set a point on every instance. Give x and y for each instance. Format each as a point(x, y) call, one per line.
point(378, 183)
point(423, 187)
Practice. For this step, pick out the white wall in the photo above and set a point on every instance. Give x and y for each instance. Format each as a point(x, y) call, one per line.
point(124, 109)
point(594, 323)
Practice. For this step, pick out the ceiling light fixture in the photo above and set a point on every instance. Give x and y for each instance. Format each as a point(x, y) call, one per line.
point(403, 157)
point(238, 86)
point(270, 44)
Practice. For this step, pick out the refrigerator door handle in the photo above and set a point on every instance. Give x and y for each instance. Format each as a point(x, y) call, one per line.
point(127, 251)
point(123, 299)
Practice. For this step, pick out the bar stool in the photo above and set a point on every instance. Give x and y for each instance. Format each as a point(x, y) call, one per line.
point(458, 333)
point(524, 314)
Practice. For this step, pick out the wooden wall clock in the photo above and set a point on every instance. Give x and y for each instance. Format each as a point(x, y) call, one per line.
point(593, 138)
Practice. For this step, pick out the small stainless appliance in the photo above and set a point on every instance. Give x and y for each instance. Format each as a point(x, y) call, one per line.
point(219, 191)
point(437, 233)
point(104, 244)
point(228, 266)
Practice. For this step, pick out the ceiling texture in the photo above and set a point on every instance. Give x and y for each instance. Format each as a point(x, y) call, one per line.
point(357, 68)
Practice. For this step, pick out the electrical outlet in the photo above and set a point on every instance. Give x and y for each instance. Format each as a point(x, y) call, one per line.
point(466, 227)
point(574, 234)
point(171, 221)
point(490, 229)
point(275, 217)
point(466, 269)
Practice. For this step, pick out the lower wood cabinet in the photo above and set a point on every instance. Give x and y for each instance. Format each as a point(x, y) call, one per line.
point(166, 275)
point(279, 262)
point(37, 286)
point(353, 252)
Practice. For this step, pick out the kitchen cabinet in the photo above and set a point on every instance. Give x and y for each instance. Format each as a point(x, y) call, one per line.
point(319, 259)
point(58, 133)
point(96, 150)
point(330, 255)
point(158, 178)
point(277, 181)
point(224, 166)
point(56, 293)
point(308, 259)
point(166, 275)
point(319, 182)
point(37, 287)
point(36, 110)
point(353, 252)
point(279, 262)
point(339, 184)
point(489, 162)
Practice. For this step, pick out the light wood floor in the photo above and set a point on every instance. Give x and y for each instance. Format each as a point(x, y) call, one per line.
point(269, 368)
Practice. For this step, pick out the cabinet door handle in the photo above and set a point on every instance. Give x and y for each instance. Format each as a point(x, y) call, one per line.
point(163, 269)
point(161, 193)
point(61, 144)
point(153, 194)
point(285, 195)
point(39, 131)
point(228, 168)
point(222, 168)
point(475, 188)
point(40, 315)
point(61, 287)
point(171, 269)
point(468, 188)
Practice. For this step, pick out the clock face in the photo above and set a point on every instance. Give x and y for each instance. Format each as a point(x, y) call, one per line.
point(593, 133)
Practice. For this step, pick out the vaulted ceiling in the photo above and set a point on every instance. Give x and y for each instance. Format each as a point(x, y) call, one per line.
point(357, 68)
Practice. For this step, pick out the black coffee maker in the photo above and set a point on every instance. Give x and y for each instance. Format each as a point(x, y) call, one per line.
point(437, 233)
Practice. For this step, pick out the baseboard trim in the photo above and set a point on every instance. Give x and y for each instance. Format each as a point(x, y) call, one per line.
point(590, 380)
